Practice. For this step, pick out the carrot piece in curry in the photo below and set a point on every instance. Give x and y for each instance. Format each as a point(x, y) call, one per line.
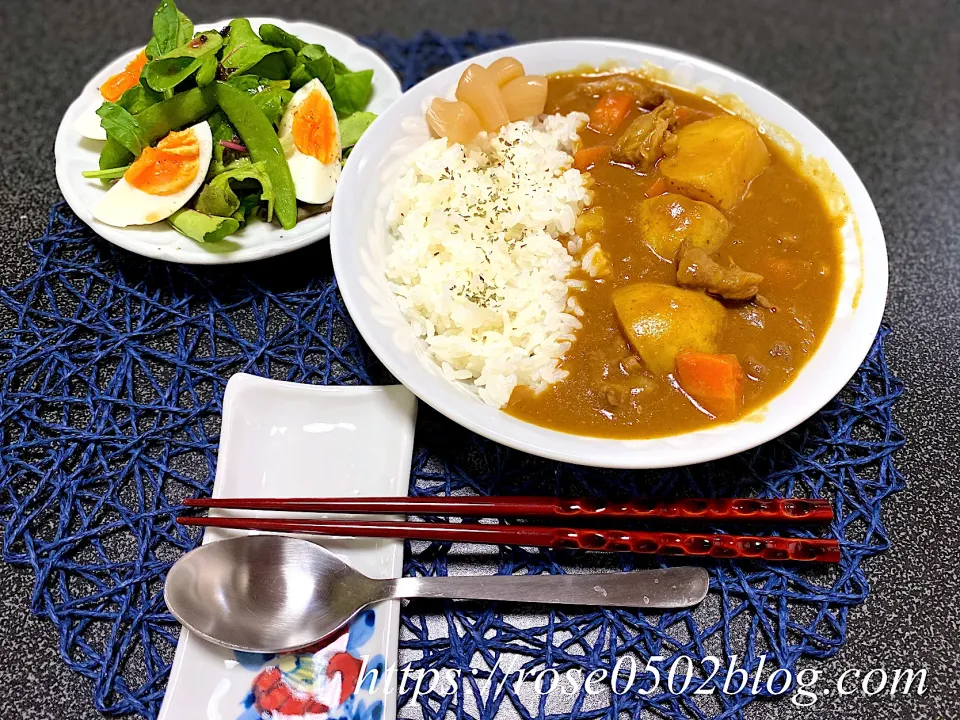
point(610, 111)
point(714, 381)
point(586, 158)
point(658, 187)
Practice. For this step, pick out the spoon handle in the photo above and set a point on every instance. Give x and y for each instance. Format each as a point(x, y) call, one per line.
point(654, 589)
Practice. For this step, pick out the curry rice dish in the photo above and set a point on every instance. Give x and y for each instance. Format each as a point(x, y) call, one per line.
point(707, 265)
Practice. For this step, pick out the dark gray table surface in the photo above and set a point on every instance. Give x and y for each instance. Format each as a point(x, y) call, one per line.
point(882, 79)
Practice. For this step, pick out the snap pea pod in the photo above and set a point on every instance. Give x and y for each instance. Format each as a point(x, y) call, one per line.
point(263, 145)
point(156, 121)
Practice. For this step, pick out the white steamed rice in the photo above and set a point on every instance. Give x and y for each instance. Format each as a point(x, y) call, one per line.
point(479, 263)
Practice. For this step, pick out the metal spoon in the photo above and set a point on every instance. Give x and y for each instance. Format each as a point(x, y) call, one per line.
point(275, 593)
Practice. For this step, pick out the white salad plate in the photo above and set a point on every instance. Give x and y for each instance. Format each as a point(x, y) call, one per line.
point(360, 241)
point(282, 439)
point(257, 240)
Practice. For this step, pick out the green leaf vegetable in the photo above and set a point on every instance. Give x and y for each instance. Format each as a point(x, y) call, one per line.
point(249, 204)
point(248, 83)
point(203, 228)
point(171, 29)
point(172, 68)
point(272, 101)
point(313, 61)
point(121, 127)
point(139, 98)
point(240, 82)
point(353, 126)
point(223, 157)
point(271, 96)
point(207, 72)
point(218, 197)
point(352, 92)
point(278, 37)
point(244, 51)
point(276, 66)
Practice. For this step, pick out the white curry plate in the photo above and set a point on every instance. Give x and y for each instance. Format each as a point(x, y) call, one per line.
point(258, 240)
point(282, 439)
point(360, 240)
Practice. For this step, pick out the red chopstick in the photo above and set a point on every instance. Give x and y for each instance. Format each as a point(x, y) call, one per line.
point(636, 541)
point(793, 510)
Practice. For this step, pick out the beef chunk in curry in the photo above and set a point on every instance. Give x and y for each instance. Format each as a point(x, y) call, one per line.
point(686, 229)
point(648, 138)
point(698, 271)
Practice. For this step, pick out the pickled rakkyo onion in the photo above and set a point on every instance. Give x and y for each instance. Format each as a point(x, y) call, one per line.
point(487, 99)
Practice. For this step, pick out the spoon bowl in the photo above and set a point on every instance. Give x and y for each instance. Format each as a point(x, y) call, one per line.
point(266, 593)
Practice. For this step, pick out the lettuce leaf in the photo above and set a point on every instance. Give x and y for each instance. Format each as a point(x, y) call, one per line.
point(201, 227)
point(353, 126)
point(219, 196)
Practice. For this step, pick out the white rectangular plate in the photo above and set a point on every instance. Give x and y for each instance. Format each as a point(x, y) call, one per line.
point(282, 439)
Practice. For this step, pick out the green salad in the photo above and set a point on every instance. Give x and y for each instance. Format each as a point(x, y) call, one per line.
point(223, 125)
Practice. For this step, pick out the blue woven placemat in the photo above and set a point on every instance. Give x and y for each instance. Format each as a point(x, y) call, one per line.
point(112, 372)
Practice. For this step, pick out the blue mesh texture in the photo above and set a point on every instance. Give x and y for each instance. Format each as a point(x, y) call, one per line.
point(112, 372)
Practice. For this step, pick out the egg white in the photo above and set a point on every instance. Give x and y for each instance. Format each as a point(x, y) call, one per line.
point(88, 122)
point(313, 180)
point(125, 205)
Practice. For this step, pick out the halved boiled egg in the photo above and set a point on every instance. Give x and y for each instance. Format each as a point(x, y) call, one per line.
point(88, 122)
point(160, 181)
point(310, 136)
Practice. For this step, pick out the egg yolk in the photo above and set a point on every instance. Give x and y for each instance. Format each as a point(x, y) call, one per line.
point(116, 86)
point(167, 168)
point(315, 128)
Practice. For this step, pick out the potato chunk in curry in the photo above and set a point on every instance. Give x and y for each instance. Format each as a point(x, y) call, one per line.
point(715, 160)
point(666, 221)
point(660, 320)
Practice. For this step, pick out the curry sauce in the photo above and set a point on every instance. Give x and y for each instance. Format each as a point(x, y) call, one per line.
point(780, 229)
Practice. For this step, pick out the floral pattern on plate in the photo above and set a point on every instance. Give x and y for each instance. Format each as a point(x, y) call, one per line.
point(318, 682)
